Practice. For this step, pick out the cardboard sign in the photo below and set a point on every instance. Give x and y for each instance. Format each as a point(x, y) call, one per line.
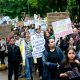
point(37, 41)
point(5, 31)
point(20, 24)
point(36, 20)
point(56, 16)
point(62, 28)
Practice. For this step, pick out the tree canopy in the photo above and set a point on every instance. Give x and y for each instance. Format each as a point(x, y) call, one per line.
point(15, 8)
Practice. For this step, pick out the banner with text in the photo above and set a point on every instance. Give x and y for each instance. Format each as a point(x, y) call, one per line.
point(56, 16)
point(37, 41)
point(62, 28)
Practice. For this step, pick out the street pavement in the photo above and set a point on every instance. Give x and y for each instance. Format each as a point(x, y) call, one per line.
point(4, 74)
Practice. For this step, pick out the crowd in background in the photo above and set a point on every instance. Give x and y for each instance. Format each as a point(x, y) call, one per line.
point(58, 60)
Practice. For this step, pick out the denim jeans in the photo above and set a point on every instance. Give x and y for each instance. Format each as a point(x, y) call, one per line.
point(28, 66)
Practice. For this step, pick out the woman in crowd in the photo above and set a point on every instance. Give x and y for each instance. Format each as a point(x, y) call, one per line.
point(29, 58)
point(39, 60)
point(71, 43)
point(46, 35)
point(52, 57)
point(70, 64)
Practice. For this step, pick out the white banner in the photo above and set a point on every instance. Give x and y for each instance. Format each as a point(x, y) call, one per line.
point(37, 41)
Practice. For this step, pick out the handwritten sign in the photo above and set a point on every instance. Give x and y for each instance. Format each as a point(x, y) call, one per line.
point(37, 41)
point(62, 28)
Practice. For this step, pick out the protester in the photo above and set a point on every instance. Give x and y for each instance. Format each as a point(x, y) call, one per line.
point(70, 64)
point(71, 43)
point(17, 43)
point(46, 35)
point(17, 38)
point(29, 58)
point(52, 57)
point(2, 51)
point(76, 37)
point(39, 60)
point(50, 30)
point(14, 59)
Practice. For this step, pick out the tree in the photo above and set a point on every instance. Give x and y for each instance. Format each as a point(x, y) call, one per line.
point(73, 9)
point(12, 8)
point(15, 8)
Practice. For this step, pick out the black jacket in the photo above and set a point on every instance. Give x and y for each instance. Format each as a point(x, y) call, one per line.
point(64, 69)
point(50, 65)
point(14, 54)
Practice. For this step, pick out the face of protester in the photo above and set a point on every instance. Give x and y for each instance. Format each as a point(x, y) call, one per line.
point(12, 41)
point(71, 55)
point(22, 35)
point(38, 30)
point(47, 34)
point(71, 41)
point(51, 43)
point(27, 36)
point(16, 37)
point(75, 31)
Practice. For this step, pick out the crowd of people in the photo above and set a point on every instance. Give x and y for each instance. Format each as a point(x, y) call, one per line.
point(60, 59)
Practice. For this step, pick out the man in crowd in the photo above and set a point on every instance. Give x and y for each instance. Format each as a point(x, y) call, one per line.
point(14, 59)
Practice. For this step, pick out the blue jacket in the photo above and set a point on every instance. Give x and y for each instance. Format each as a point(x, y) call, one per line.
point(48, 66)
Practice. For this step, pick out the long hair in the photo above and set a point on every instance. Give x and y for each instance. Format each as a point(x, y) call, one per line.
point(66, 61)
point(46, 44)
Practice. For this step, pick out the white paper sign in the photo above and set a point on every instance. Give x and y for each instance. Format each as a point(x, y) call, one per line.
point(43, 25)
point(37, 41)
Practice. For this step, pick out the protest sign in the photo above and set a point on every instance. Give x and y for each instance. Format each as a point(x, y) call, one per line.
point(20, 24)
point(36, 20)
point(37, 41)
point(62, 28)
point(43, 25)
point(56, 16)
point(5, 31)
point(26, 23)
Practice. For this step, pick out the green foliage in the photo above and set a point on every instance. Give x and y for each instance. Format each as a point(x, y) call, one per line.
point(73, 9)
point(14, 8)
